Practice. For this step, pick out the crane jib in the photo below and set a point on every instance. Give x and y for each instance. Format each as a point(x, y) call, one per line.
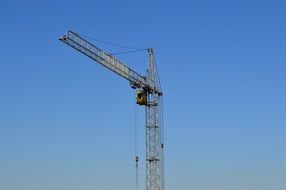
point(79, 43)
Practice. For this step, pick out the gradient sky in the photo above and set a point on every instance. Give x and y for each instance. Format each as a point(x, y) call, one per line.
point(67, 123)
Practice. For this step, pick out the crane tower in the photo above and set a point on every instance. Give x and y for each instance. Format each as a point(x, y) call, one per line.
point(149, 93)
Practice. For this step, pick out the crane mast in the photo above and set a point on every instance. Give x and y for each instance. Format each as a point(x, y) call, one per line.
point(148, 95)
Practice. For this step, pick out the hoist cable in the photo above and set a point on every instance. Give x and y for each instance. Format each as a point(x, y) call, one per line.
point(162, 142)
point(136, 142)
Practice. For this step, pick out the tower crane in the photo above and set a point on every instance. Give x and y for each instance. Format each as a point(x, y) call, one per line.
point(149, 93)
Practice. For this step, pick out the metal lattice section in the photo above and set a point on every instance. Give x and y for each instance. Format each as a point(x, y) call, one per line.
point(79, 43)
point(105, 59)
point(152, 143)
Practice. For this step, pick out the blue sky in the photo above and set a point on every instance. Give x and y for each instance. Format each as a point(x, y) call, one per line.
point(67, 123)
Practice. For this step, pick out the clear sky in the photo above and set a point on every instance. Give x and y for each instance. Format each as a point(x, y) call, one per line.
point(67, 123)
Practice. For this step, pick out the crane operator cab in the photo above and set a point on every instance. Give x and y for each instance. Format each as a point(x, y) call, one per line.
point(141, 97)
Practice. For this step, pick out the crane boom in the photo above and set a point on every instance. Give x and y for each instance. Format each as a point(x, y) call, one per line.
point(82, 45)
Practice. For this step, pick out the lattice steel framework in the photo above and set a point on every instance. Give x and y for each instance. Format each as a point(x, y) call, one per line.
point(149, 85)
point(153, 137)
